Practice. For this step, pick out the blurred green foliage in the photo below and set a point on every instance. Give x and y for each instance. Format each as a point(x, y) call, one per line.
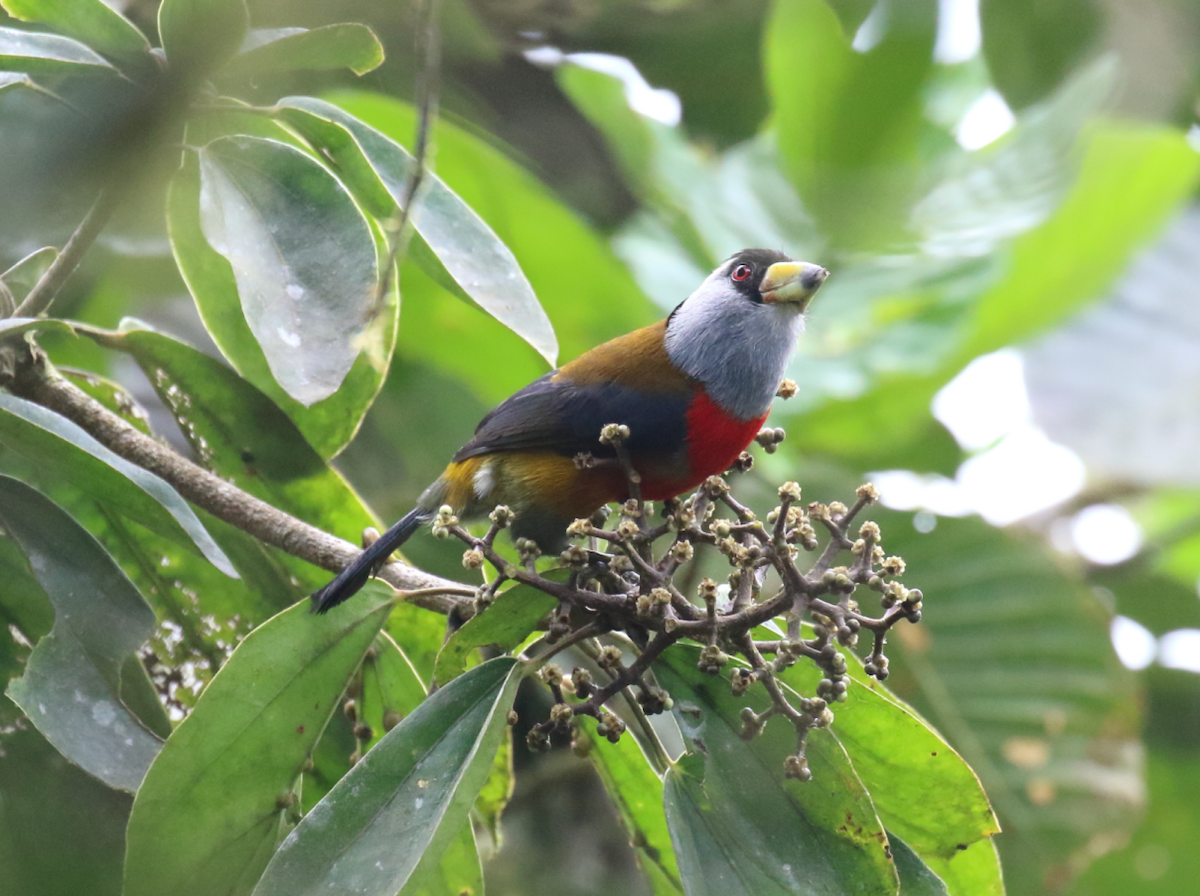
point(825, 128)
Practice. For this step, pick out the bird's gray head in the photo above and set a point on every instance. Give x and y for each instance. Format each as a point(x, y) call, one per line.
point(736, 332)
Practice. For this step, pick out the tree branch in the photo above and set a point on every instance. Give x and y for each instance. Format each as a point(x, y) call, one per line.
point(36, 380)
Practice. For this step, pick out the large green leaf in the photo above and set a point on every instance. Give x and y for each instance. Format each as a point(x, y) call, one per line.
point(506, 623)
point(61, 831)
point(302, 254)
point(56, 443)
point(93, 22)
point(738, 825)
point(636, 791)
point(584, 289)
point(71, 689)
point(349, 45)
point(208, 815)
point(328, 425)
point(466, 254)
point(401, 805)
point(920, 787)
point(201, 35)
point(48, 54)
point(850, 123)
point(1012, 661)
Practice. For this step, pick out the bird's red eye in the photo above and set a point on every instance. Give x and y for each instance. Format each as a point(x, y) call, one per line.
point(742, 271)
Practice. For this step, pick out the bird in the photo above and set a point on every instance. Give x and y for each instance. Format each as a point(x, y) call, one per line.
point(693, 389)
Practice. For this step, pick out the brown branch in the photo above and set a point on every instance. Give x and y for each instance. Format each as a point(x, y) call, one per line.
point(36, 380)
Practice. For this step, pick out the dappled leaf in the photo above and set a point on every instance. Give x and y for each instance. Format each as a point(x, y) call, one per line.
point(327, 425)
point(743, 828)
point(584, 289)
point(466, 250)
point(302, 254)
point(56, 443)
point(351, 46)
point(201, 35)
point(406, 799)
point(48, 54)
point(206, 819)
point(71, 689)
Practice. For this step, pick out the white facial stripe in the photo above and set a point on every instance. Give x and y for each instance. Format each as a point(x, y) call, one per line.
point(484, 480)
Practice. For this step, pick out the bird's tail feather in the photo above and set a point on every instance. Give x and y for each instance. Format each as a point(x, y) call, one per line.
point(353, 577)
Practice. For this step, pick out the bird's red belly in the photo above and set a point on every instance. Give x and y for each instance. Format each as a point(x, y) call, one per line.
point(715, 439)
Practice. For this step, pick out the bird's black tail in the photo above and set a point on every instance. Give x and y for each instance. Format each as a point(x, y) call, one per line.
point(366, 564)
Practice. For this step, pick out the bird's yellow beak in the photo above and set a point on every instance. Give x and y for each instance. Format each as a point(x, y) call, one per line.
point(794, 282)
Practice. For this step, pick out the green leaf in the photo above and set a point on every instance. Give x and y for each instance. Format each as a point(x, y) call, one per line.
point(207, 817)
point(349, 45)
point(850, 124)
point(328, 425)
point(1031, 45)
point(302, 254)
point(56, 443)
point(15, 79)
point(23, 275)
point(239, 432)
point(916, 878)
point(1012, 661)
point(1133, 178)
point(506, 623)
point(585, 290)
point(1014, 184)
point(974, 871)
point(637, 793)
point(61, 830)
point(14, 326)
point(466, 252)
point(921, 788)
point(35, 53)
point(71, 689)
point(200, 36)
point(400, 806)
point(744, 828)
point(93, 22)
point(112, 395)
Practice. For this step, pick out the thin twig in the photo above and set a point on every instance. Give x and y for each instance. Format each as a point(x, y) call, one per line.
point(428, 54)
point(44, 291)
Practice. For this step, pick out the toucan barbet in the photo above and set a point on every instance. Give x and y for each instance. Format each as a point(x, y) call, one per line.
point(693, 389)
